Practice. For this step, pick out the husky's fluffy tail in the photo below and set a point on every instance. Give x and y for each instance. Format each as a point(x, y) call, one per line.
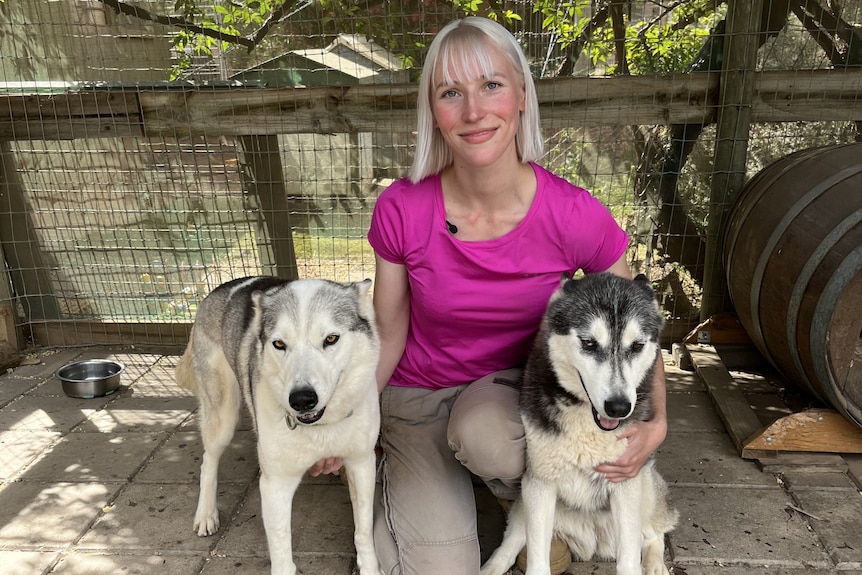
point(185, 373)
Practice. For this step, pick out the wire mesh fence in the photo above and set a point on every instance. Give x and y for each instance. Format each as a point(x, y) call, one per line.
point(152, 150)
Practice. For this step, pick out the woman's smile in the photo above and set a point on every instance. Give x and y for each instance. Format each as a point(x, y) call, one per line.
point(478, 111)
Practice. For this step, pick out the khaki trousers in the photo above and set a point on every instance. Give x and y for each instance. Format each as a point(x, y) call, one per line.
point(433, 440)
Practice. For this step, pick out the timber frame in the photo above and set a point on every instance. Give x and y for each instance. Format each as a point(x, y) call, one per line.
point(166, 110)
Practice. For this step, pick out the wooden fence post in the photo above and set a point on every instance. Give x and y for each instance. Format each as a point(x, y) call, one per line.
point(263, 176)
point(30, 273)
point(731, 142)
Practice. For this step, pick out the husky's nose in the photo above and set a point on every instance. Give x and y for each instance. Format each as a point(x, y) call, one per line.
point(303, 400)
point(618, 407)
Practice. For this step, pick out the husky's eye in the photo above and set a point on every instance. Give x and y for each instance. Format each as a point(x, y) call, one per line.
point(279, 345)
point(637, 346)
point(589, 344)
point(330, 339)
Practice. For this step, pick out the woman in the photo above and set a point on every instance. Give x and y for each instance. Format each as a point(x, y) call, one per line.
point(468, 251)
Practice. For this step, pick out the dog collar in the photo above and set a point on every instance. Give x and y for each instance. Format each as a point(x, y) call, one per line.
point(292, 422)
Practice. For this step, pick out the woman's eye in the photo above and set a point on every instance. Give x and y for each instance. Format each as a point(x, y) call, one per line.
point(449, 94)
point(331, 339)
point(492, 85)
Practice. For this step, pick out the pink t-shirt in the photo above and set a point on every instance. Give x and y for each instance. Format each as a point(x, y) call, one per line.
point(476, 306)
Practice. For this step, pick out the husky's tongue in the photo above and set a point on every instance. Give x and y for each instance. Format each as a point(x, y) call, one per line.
point(605, 423)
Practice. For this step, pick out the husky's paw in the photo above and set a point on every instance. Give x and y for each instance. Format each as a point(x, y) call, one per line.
point(206, 524)
point(655, 569)
point(291, 569)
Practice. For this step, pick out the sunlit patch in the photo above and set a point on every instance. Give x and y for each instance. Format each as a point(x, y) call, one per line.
point(36, 419)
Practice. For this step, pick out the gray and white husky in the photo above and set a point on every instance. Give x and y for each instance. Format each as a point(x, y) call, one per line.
point(303, 355)
point(588, 377)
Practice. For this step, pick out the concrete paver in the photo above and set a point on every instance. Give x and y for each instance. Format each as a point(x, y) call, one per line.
point(18, 449)
point(110, 485)
point(37, 516)
point(835, 517)
point(733, 524)
point(99, 564)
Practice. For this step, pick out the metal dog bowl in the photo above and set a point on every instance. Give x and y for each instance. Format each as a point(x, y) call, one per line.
point(90, 377)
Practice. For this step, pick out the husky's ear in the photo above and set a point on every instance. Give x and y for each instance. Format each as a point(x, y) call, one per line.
point(362, 288)
point(565, 277)
point(642, 281)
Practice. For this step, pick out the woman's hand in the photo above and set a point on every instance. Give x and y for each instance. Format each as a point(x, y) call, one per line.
point(644, 438)
point(325, 466)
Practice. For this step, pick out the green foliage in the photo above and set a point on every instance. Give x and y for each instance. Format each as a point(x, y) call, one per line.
point(566, 19)
point(663, 43)
point(662, 49)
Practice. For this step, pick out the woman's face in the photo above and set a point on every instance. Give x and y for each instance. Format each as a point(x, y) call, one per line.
point(478, 116)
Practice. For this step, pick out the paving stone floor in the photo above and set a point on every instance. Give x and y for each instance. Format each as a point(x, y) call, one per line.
point(109, 486)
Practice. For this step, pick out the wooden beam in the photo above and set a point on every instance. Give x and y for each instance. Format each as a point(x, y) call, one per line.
point(29, 274)
point(813, 430)
point(741, 44)
point(9, 346)
point(730, 403)
point(801, 95)
point(263, 177)
point(74, 333)
point(71, 115)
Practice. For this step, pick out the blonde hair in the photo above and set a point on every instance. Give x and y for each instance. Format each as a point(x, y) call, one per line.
point(460, 46)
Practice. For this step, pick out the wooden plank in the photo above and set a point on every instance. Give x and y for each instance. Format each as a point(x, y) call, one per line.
point(730, 403)
point(72, 128)
point(800, 95)
point(659, 99)
point(75, 103)
point(815, 95)
point(813, 430)
point(75, 333)
point(270, 111)
point(93, 114)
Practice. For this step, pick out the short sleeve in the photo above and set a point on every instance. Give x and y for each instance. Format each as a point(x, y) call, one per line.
point(609, 240)
point(386, 232)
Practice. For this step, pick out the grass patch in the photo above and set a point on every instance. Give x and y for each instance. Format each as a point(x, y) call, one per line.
point(313, 247)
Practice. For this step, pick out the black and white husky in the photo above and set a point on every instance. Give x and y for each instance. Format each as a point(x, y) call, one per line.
point(303, 355)
point(588, 377)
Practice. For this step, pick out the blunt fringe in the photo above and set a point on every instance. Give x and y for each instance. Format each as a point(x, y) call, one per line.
point(460, 46)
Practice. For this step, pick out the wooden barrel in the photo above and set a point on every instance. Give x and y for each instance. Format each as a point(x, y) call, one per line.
point(793, 258)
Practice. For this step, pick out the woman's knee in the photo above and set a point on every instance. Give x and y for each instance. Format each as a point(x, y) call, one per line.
point(485, 430)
